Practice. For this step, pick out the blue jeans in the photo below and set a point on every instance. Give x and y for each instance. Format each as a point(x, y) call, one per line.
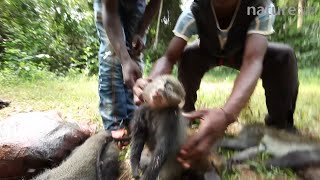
point(116, 100)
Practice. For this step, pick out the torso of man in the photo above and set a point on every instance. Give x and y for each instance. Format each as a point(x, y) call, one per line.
point(225, 11)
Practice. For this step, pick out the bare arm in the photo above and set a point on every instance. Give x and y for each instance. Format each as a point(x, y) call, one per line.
point(113, 27)
point(215, 120)
point(162, 66)
point(151, 9)
point(165, 64)
point(250, 72)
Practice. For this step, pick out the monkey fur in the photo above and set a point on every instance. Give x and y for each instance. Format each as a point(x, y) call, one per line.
point(162, 130)
point(96, 159)
point(4, 104)
point(288, 150)
point(159, 125)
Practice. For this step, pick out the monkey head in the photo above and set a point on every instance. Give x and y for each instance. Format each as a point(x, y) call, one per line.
point(164, 91)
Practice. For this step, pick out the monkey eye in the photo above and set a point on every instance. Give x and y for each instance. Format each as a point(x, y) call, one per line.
point(168, 86)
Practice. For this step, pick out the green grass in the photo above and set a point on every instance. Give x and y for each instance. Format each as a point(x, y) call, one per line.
point(76, 97)
point(215, 88)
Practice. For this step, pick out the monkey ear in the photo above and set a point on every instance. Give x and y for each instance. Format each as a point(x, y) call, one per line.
point(181, 104)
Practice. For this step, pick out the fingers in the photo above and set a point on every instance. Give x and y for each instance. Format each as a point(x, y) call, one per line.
point(194, 141)
point(195, 148)
point(138, 90)
point(129, 82)
point(195, 114)
point(138, 44)
point(138, 75)
point(137, 95)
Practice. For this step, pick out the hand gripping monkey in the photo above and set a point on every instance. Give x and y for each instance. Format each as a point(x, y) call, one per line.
point(158, 124)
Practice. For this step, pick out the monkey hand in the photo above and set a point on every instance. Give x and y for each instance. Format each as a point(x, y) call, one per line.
point(212, 126)
point(136, 173)
point(138, 90)
point(135, 177)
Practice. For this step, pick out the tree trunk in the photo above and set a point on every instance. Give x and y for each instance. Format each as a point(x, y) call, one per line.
point(300, 14)
point(158, 27)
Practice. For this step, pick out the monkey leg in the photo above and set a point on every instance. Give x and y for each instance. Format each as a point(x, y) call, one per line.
point(296, 160)
point(107, 162)
point(237, 143)
point(243, 156)
point(161, 156)
point(137, 145)
point(145, 159)
point(138, 138)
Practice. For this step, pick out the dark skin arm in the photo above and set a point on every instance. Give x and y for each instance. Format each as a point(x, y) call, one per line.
point(215, 120)
point(113, 27)
point(164, 65)
point(151, 10)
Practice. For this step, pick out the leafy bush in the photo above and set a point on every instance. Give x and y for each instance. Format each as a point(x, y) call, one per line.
point(305, 41)
point(62, 31)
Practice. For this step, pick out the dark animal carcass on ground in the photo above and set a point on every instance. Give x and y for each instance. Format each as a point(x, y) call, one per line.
point(32, 142)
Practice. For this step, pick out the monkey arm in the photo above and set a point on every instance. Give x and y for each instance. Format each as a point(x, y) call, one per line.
point(138, 139)
point(164, 65)
point(136, 150)
point(167, 143)
point(245, 155)
point(296, 160)
point(159, 157)
point(239, 143)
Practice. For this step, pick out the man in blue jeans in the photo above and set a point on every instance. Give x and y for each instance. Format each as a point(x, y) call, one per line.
point(121, 27)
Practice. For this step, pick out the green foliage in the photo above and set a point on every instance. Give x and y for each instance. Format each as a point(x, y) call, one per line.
point(170, 13)
point(60, 36)
point(57, 35)
point(305, 41)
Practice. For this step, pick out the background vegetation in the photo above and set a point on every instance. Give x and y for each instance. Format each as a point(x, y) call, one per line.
point(60, 36)
point(48, 60)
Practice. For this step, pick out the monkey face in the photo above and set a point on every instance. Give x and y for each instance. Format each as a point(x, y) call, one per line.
point(164, 91)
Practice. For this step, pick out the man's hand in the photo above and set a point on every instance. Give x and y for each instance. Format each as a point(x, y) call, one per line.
point(212, 126)
point(137, 45)
point(138, 89)
point(131, 72)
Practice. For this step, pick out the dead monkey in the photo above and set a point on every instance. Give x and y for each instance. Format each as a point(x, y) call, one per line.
point(288, 150)
point(159, 125)
point(96, 159)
